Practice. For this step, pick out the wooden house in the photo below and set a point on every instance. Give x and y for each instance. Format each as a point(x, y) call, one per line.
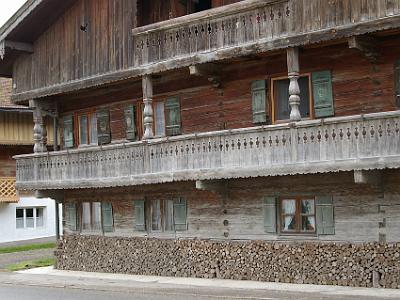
point(22, 216)
point(254, 139)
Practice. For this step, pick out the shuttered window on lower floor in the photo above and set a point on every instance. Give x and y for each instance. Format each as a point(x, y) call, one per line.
point(299, 215)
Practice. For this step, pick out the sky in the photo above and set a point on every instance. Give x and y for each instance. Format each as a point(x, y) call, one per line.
point(8, 8)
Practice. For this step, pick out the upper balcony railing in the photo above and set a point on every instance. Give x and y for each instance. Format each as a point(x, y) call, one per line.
point(252, 26)
point(335, 144)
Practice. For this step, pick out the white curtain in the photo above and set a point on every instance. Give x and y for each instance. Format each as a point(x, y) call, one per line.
point(289, 207)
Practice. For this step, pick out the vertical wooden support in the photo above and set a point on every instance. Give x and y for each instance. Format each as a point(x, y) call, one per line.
point(55, 133)
point(39, 129)
point(147, 86)
point(294, 88)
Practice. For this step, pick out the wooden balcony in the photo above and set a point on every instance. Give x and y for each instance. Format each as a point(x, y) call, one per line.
point(360, 142)
point(8, 193)
point(254, 26)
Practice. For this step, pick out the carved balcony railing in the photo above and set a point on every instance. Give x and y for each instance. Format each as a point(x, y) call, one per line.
point(8, 193)
point(335, 144)
point(252, 26)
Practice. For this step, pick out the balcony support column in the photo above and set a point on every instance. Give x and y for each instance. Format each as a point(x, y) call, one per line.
point(294, 88)
point(39, 129)
point(147, 85)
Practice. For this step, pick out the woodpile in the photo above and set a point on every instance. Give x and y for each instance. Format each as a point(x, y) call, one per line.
point(361, 265)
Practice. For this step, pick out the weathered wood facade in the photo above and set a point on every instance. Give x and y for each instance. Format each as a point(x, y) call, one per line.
point(272, 120)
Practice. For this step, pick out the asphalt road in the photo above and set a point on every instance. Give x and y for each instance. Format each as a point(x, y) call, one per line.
point(24, 292)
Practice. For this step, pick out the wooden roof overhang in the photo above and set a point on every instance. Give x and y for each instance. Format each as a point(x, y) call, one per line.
point(23, 28)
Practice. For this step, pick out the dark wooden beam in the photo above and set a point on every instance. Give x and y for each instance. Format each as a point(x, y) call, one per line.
point(16, 46)
point(366, 45)
point(210, 71)
point(368, 177)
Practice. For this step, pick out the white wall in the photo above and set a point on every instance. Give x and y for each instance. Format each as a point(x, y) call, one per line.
point(8, 227)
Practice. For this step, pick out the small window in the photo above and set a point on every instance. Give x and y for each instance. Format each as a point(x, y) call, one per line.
point(91, 216)
point(162, 215)
point(87, 129)
point(298, 215)
point(280, 98)
point(159, 119)
point(29, 217)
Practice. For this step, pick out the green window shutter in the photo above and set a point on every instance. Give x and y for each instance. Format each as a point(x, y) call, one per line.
point(140, 221)
point(259, 96)
point(180, 214)
point(173, 116)
point(72, 217)
point(397, 82)
point(107, 217)
point(68, 131)
point(323, 95)
point(130, 125)
point(325, 215)
point(103, 127)
point(269, 207)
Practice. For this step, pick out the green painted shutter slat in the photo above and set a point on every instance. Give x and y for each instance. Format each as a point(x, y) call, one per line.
point(173, 116)
point(103, 127)
point(259, 96)
point(270, 214)
point(68, 131)
point(180, 215)
point(325, 215)
point(140, 221)
point(397, 82)
point(72, 218)
point(323, 94)
point(107, 217)
point(130, 125)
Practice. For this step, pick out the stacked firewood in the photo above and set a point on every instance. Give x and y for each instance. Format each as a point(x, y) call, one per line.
point(362, 265)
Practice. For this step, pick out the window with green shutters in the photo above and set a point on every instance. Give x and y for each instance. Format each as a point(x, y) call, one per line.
point(107, 217)
point(71, 211)
point(325, 215)
point(173, 116)
point(323, 95)
point(397, 82)
point(259, 99)
point(140, 220)
point(130, 122)
point(180, 214)
point(103, 127)
point(68, 131)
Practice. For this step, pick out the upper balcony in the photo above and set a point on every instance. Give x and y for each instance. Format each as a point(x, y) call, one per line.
point(254, 26)
point(361, 142)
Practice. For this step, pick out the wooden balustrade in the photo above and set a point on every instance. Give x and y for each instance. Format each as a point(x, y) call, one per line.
point(252, 26)
point(8, 193)
point(335, 144)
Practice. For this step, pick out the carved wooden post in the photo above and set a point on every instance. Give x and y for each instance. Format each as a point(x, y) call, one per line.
point(294, 88)
point(147, 86)
point(39, 129)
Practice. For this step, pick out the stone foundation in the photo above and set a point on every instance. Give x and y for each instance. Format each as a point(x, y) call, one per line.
point(364, 265)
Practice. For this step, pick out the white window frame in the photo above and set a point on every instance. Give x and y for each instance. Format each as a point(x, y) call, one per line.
point(35, 226)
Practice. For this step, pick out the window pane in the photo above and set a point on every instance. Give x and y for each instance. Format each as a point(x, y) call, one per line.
point(282, 109)
point(86, 219)
point(289, 214)
point(39, 217)
point(19, 213)
point(29, 212)
point(159, 119)
point(93, 129)
point(155, 215)
point(30, 222)
point(169, 215)
point(304, 97)
point(307, 206)
point(289, 206)
point(83, 135)
point(96, 211)
point(20, 223)
point(308, 223)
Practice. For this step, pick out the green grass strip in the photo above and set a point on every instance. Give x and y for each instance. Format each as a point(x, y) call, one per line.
point(27, 248)
point(25, 265)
